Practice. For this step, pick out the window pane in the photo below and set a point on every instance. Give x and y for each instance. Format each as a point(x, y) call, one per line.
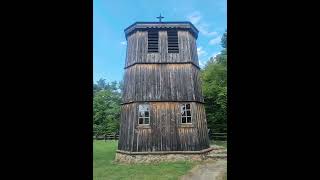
point(188, 106)
point(188, 119)
point(188, 113)
point(183, 120)
point(146, 114)
point(144, 107)
point(140, 120)
point(181, 109)
point(146, 120)
point(183, 113)
point(142, 110)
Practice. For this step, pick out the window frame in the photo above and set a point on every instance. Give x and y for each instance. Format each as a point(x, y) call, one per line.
point(144, 113)
point(184, 113)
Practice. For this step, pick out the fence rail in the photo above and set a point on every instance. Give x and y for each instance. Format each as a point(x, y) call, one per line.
point(218, 136)
point(107, 137)
point(212, 136)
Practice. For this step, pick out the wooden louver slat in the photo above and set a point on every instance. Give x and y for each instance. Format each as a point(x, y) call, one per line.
point(173, 42)
point(153, 37)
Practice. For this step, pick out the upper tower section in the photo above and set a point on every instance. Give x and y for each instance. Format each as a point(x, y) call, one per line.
point(161, 43)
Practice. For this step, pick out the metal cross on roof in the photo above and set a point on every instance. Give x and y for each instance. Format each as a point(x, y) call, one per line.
point(160, 17)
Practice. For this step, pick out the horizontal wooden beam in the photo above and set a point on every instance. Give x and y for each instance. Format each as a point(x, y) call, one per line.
point(167, 152)
point(123, 103)
point(163, 63)
point(156, 26)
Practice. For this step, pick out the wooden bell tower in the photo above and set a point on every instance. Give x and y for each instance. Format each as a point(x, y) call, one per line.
point(163, 108)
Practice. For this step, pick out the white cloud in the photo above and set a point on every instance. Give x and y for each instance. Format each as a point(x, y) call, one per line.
point(214, 55)
point(194, 17)
point(204, 60)
point(215, 40)
point(201, 52)
point(123, 42)
point(203, 27)
point(202, 64)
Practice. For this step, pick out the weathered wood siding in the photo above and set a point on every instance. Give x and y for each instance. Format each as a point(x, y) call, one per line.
point(137, 51)
point(165, 132)
point(162, 82)
point(165, 81)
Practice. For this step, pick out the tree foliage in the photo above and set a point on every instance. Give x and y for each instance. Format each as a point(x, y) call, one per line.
point(224, 40)
point(214, 84)
point(106, 107)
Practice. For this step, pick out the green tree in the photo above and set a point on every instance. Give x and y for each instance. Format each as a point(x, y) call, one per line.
point(214, 84)
point(101, 84)
point(113, 86)
point(95, 88)
point(121, 86)
point(224, 40)
point(106, 107)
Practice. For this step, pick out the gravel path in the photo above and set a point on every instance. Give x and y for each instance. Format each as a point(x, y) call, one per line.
point(213, 170)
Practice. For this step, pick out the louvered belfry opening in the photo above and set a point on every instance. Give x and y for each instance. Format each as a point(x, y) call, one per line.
point(153, 37)
point(173, 43)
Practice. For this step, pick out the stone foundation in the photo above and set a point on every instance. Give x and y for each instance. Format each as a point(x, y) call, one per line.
point(155, 157)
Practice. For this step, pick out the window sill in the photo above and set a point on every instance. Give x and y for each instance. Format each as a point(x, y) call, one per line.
point(143, 126)
point(186, 125)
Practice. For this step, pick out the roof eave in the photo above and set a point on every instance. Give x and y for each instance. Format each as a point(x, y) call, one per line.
point(143, 25)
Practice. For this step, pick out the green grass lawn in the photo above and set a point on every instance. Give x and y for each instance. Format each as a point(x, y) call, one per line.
point(219, 143)
point(105, 169)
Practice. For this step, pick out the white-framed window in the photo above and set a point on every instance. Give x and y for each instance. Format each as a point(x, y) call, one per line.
point(144, 114)
point(186, 114)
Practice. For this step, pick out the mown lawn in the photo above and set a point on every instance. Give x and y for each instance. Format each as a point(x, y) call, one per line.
point(219, 143)
point(105, 169)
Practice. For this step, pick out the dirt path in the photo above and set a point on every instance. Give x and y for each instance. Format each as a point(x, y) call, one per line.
point(213, 170)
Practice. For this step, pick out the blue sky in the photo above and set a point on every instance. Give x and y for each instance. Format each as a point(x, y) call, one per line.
point(111, 17)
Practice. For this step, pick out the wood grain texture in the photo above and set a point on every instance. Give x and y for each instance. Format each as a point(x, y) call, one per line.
point(138, 49)
point(165, 132)
point(165, 81)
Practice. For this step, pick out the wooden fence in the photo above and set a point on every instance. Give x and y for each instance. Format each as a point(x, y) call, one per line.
point(218, 136)
point(107, 137)
point(212, 136)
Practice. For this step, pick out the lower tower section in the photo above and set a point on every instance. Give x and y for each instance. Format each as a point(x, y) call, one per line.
point(163, 128)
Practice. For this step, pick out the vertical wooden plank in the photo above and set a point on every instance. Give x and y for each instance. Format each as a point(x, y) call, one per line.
point(134, 115)
point(167, 125)
point(188, 44)
point(179, 58)
point(135, 58)
point(144, 46)
point(158, 139)
point(161, 129)
point(161, 46)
